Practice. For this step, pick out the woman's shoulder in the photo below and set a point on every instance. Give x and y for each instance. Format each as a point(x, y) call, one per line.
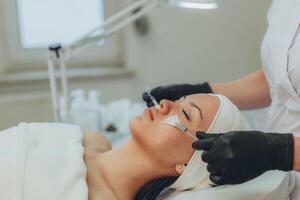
point(91, 153)
point(95, 143)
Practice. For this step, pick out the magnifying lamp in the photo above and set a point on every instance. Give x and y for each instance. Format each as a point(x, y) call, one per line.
point(197, 4)
point(60, 54)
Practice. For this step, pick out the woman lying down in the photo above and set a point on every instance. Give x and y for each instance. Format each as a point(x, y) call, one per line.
point(44, 161)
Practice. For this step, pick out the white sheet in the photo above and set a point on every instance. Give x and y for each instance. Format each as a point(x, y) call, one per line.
point(42, 161)
point(273, 185)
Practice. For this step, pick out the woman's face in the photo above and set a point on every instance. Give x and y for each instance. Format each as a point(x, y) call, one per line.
point(167, 144)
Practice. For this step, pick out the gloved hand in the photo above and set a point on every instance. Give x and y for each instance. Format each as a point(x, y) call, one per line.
point(236, 157)
point(174, 92)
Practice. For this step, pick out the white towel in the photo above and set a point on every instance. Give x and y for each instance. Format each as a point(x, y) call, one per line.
point(42, 161)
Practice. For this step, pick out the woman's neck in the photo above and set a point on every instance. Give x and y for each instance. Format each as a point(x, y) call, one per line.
point(127, 169)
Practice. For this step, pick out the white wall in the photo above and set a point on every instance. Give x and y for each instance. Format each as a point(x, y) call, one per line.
point(192, 46)
point(182, 46)
point(2, 63)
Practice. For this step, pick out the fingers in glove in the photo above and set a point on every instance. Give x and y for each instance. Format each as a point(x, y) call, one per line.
point(204, 144)
point(209, 157)
point(150, 104)
point(210, 168)
point(202, 135)
point(215, 167)
point(221, 177)
point(216, 179)
point(147, 99)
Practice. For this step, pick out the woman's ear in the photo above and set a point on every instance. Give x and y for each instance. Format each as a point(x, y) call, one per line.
point(180, 168)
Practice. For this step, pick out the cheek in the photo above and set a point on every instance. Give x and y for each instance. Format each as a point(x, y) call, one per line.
point(141, 130)
point(180, 149)
point(172, 146)
point(162, 142)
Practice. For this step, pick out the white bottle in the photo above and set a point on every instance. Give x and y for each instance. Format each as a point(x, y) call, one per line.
point(94, 107)
point(78, 108)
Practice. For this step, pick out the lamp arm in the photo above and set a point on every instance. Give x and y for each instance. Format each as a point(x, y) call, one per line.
point(107, 29)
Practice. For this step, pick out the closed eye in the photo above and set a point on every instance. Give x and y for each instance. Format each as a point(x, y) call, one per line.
point(186, 115)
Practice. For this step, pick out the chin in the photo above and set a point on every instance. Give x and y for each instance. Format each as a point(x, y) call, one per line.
point(135, 126)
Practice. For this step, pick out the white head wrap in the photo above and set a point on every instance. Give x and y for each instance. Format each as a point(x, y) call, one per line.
point(227, 118)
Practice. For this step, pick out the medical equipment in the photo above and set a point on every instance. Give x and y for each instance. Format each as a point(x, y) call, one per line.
point(58, 53)
point(174, 122)
point(208, 4)
point(83, 111)
point(156, 105)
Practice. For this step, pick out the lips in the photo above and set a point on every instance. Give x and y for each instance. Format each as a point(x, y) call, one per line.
point(151, 113)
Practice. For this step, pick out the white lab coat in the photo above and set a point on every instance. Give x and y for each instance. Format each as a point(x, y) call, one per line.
point(281, 62)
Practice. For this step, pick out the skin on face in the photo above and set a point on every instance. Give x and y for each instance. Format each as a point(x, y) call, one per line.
point(167, 144)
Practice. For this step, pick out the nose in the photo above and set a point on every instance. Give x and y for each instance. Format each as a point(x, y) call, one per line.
point(166, 106)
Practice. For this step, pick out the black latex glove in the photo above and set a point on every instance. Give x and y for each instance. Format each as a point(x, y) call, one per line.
point(236, 157)
point(174, 92)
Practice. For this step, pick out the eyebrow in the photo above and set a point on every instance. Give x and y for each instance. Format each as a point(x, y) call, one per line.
point(199, 109)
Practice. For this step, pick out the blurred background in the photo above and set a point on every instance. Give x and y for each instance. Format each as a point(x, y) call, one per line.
point(169, 45)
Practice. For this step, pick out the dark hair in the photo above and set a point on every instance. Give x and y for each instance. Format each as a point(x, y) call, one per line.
point(151, 190)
